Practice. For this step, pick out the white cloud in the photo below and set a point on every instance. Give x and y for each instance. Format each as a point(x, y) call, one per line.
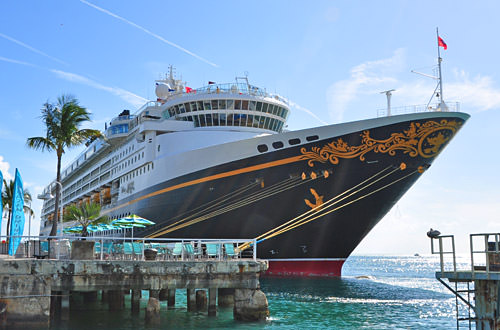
point(16, 61)
point(367, 74)
point(479, 93)
point(4, 167)
point(129, 97)
point(31, 49)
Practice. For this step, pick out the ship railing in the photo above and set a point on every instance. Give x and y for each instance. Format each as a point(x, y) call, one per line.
point(451, 106)
point(115, 246)
point(224, 89)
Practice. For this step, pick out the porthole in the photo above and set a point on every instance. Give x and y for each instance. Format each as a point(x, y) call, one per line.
point(277, 144)
point(312, 138)
point(262, 148)
point(294, 141)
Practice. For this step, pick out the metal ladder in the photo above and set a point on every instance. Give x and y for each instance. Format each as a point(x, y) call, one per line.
point(464, 310)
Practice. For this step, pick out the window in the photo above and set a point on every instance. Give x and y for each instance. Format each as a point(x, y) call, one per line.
point(266, 123)
point(207, 105)
point(196, 121)
point(278, 144)
point(193, 106)
point(187, 107)
point(264, 107)
point(256, 120)
point(244, 105)
point(261, 122)
point(215, 105)
point(202, 121)
point(222, 104)
point(158, 148)
point(312, 138)
point(237, 104)
point(294, 141)
point(230, 119)
point(262, 148)
point(215, 119)
point(251, 105)
point(200, 105)
point(176, 109)
point(222, 119)
point(181, 108)
point(230, 104)
point(259, 106)
point(209, 119)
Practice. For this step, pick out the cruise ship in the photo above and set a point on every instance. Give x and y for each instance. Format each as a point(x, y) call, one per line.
point(217, 162)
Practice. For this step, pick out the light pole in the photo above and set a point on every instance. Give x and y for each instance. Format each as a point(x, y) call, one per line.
point(48, 196)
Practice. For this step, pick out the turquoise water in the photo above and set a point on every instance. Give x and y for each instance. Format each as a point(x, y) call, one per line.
point(393, 293)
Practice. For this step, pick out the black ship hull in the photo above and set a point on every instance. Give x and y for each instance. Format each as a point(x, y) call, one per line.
point(331, 192)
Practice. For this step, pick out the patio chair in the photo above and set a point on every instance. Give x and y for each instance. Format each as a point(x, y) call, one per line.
point(177, 251)
point(229, 249)
point(128, 250)
point(137, 250)
point(213, 249)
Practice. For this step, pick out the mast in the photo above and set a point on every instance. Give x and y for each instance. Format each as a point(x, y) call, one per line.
point(439, 67)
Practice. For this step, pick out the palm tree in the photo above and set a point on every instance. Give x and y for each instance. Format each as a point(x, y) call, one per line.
point(7, 199)
point(62, 124)
point(86, 214)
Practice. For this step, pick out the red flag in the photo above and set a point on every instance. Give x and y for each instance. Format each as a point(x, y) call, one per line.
point(189, 90)
point(442, 43)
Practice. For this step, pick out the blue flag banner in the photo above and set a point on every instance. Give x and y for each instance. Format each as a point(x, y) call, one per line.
point(1, 209)
point(17, 220)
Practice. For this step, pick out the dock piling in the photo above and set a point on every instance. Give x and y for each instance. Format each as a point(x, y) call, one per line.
point(212, 302)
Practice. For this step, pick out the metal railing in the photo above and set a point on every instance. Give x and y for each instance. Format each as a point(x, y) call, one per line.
point(452, 106)
point(442, 240)
point(126, 248)
point(488, 249)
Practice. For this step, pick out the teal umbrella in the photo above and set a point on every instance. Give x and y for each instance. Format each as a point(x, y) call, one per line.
point(132, 221)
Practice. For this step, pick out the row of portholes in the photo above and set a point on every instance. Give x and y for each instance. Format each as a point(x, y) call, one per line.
point(279, 144)
point(127, 163)
point(133, 174)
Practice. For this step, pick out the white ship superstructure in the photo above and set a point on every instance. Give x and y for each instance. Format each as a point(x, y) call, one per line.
point(166, 138)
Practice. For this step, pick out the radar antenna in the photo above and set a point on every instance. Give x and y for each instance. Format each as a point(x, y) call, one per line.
point(388, 93)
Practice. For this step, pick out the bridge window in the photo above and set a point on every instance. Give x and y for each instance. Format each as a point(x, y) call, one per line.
point(244, 105)
point(251, 106)
point(207, 105)
point(200, 105)
point(193, 106)
point(264, 107)
point(222, 104)
point(262, 148)
point(230, 119)
point(230, 104)
point(259, 106)
point(215, 105)
point(188, 107)
point(237, 104)
point(222, 119)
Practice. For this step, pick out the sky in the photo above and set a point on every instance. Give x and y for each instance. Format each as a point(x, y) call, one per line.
point(331, 59)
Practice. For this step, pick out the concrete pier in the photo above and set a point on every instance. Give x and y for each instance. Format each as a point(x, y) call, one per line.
point(33, 291)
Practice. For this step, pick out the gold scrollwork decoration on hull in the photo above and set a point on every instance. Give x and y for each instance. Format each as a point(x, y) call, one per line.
point(420, 139)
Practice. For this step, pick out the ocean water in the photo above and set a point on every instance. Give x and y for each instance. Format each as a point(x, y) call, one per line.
point(375, 292)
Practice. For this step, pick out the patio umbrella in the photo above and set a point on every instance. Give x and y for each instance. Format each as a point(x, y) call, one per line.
point(132, 221)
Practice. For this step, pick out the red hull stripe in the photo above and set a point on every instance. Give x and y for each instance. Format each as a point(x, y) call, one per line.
point(305, 268)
